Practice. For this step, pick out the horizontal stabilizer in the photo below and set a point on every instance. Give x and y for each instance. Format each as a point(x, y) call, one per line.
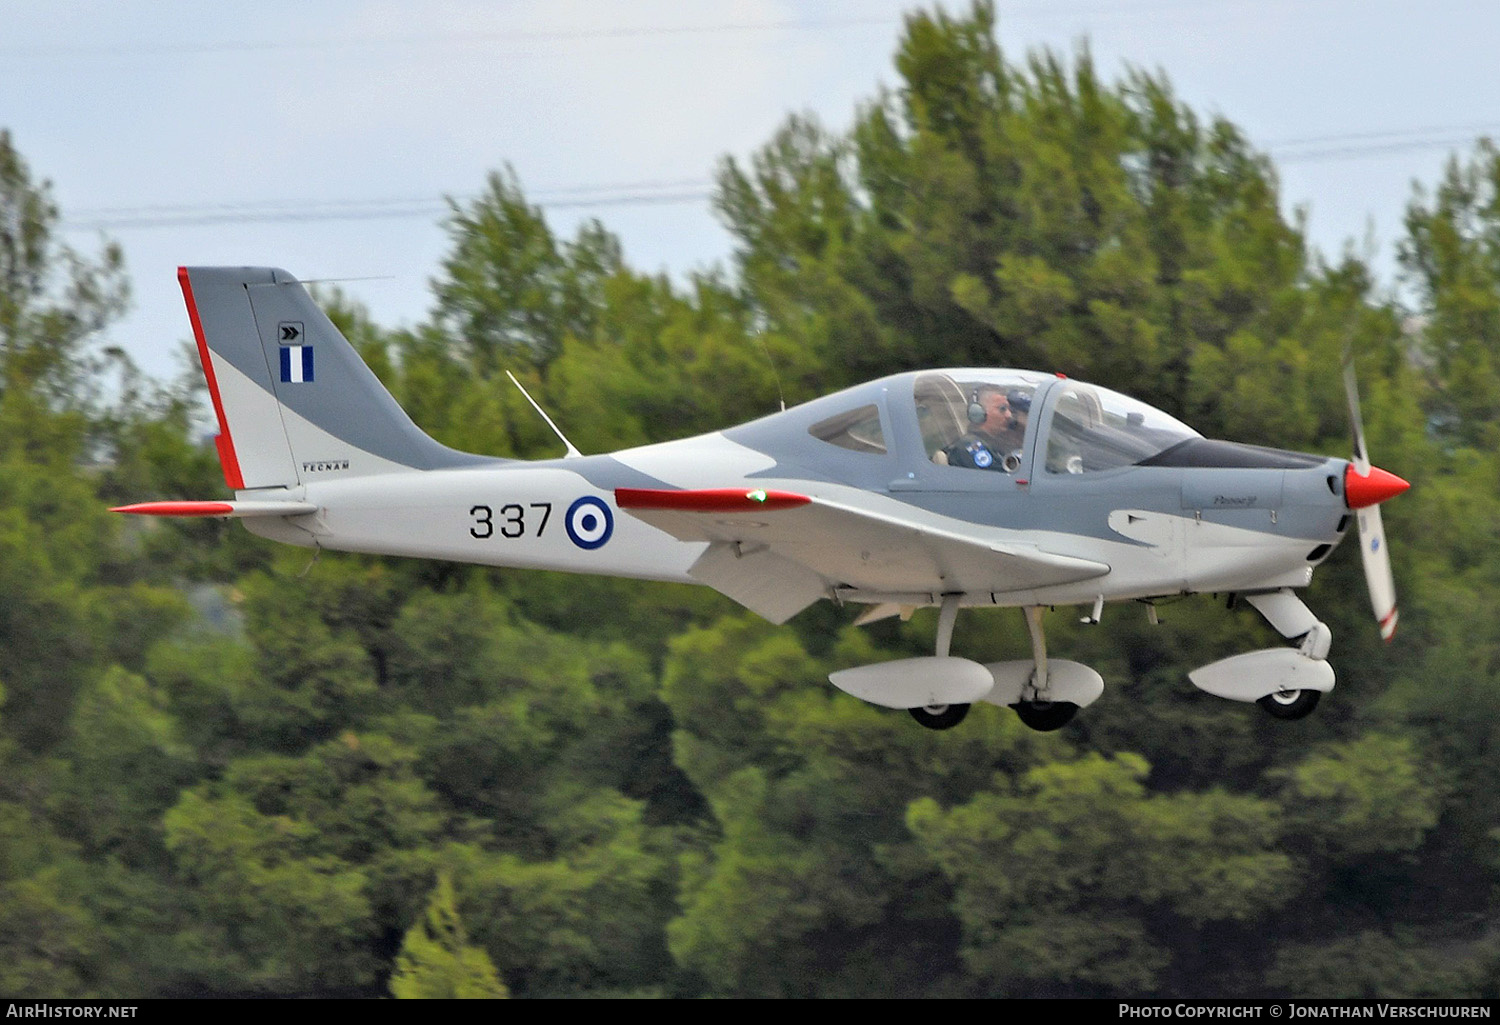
point(225, 510)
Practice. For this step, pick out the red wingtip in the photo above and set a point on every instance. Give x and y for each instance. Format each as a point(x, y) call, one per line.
point(1361, 492)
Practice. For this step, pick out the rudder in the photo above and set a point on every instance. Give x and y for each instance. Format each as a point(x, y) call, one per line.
point(294, 401)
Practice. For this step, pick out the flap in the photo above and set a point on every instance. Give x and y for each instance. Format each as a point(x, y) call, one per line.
point(765, 583)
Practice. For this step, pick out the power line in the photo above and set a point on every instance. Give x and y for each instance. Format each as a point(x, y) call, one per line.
point(691, 190)
point(660, 191)
point(413, 40)
point(1375, 143)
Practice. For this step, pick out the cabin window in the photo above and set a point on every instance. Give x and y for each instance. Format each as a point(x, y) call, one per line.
point(961, 424)
point(857, 430)
point(1097, 429)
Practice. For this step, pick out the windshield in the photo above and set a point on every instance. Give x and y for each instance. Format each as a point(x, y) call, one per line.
point(1098, 429)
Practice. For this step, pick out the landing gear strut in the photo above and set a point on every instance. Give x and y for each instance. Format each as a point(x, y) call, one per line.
point(943, 717)
point(1035, 708)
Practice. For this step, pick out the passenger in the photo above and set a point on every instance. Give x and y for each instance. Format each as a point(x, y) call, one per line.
point(999, 426)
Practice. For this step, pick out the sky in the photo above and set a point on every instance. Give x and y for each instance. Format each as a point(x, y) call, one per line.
point(323, 137)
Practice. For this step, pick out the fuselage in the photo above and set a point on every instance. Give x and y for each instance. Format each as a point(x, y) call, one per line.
point(1094, 475)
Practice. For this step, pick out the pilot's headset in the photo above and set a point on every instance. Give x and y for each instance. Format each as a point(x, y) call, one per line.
point(977, 412)
point(1019, 401)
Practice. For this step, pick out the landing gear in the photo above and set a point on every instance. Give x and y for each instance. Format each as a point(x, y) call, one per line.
point(940, 717)
point(1045, 695)
point(1285, 682)
point(1290, 704)
point(1035, 709)
point(943, 717)
point(1045, 716)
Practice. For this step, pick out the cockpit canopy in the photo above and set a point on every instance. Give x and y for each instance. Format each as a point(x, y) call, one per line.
point(955, 428)
point(1086, 428)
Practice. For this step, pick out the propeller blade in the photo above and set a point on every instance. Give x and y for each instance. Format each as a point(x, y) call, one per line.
point(1365, 487)
point(1378, 576)
point(1357, 422)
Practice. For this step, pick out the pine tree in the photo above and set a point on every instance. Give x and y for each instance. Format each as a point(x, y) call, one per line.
point(436, 960)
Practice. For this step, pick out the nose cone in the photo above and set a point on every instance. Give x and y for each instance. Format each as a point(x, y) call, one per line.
point(1361, 492)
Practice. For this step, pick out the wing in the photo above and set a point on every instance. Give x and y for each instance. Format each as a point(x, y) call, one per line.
point(776, 552)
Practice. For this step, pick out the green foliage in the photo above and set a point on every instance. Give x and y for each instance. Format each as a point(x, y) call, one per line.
point(1095, 865)
point(986, 213)
point(285, 917)
point(810, 884)
point(1371, 797)
point(1370, 965)
point(48, 939)
point(437, 962)
point(541, 918)
point(52, 301)
point(1449, 255)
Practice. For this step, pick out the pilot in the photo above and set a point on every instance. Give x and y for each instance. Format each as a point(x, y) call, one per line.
point(998, 420)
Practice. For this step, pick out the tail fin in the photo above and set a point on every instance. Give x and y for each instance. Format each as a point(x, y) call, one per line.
point(295, 402)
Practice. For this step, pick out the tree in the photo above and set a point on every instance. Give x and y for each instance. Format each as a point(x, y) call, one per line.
point(990, 213)
point(1099, 876)
point(52, 302)
point(808, 882)
point(437, 962)
point(1450, 260)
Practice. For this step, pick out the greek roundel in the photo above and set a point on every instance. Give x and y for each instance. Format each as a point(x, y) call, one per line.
point(589, 523)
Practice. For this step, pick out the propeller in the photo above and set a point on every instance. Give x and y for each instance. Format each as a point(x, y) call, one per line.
point(1365, 487)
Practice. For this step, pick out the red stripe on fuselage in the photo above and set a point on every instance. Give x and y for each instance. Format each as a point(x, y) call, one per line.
point(224, 442)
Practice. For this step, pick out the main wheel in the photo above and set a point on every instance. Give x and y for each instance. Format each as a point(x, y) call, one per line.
point(1291, 704)
point(1046, 716)
point(940, 717)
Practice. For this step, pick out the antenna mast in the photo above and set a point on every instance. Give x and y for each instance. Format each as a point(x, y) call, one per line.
point(572, 452)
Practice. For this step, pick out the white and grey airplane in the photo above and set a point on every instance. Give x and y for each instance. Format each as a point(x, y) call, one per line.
point(950, 488)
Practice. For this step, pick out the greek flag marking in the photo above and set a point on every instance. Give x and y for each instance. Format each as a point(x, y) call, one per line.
point(297, 364)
